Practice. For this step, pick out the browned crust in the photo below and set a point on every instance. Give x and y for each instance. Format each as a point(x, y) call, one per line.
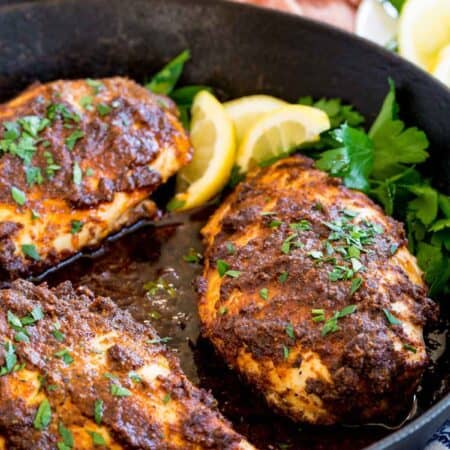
point(82, 317)
point(369, 379)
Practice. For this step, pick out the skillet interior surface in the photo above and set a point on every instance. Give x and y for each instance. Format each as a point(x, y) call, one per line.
point(238, 50)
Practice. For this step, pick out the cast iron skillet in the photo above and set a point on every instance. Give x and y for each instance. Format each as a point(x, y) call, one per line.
point(239, 50)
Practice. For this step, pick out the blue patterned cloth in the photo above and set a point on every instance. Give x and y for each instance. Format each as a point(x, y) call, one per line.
point(441, 439)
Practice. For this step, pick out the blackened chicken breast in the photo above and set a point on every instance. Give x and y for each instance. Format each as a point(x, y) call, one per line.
point(77, 372)
point(310, 292)
point(78, 160)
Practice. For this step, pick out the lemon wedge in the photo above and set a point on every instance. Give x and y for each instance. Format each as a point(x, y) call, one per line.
point(442, 69)
point(424, 31)
point(278, 132)
point(245, 111)
point(213, 140)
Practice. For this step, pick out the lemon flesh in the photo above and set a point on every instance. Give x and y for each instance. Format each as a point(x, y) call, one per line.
point(245, 111)
point(213, 140)
point(424, 31)
point(279, 132)
point(442, 69)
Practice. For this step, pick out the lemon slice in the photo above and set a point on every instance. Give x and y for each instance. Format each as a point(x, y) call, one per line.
point(245, 111)
point(279, 132)
point(442, 69)
point(424, 30)
point(213, 140)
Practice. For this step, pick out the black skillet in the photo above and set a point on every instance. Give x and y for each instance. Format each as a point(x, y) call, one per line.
point(239, 50)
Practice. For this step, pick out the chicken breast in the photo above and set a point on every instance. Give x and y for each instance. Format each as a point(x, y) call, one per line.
point(77, 372)
point(78, 161)
point(309, 292)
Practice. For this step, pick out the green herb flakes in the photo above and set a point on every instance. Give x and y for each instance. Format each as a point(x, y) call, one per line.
point(103, 109)
point(97, 438)
point(98, 411)
point(66, 435)
point(65, 356)
point(282, 278)
point(43, 415)
point(30, 251)
point(77, 174)
point(166, 398)
point(264, 293)
point(119, 391)
point(392, 320)
point(18, 196)
point(73, 138)
point(76, 226)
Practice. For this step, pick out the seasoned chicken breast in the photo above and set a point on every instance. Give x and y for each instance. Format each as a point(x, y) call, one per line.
point(77, 372)
point(309, 292)
point(78, 161)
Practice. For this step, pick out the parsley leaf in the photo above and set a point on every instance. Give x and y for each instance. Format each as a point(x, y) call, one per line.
point(353, 161)
point(31, 251)
point(43, 415)
point(166, 79)
point(337, 112)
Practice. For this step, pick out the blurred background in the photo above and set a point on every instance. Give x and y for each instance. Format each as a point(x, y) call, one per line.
point(419, 30)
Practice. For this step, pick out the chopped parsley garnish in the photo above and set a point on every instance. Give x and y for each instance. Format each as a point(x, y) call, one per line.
point(76, 226)
point(285, 352)
point(231, 250)
point(160, 285)
point(56, 332)
point(10, 360)
point(86, 102)
point(410, 348)
point(73, 138)
point(89, 172)
point(18, 196)
point(224, 269)
point(282, 278)
point(193, 256)
point(119, 391)
point(382, 163)
point(166, 398)
point(98, 411)
point(161, 340)
point(66, 436)
point(77, 174)
point(51, 167)
point(30, 251)
point(275, 223)
point(318, 315)
point(35, 215)
point(33, 175)
point(391, 318)
point(43, 415)
point(97, 438)
point(303, 225)
point(356, 284)
point(331, 325)
point(393, 249)
point(103, 109)
point(65, 356)
point(134, 377)
point(290, 331)
point(56, 110)
point(223, 310)
point(264, 293)
point(95, 85)
point(20, 324)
